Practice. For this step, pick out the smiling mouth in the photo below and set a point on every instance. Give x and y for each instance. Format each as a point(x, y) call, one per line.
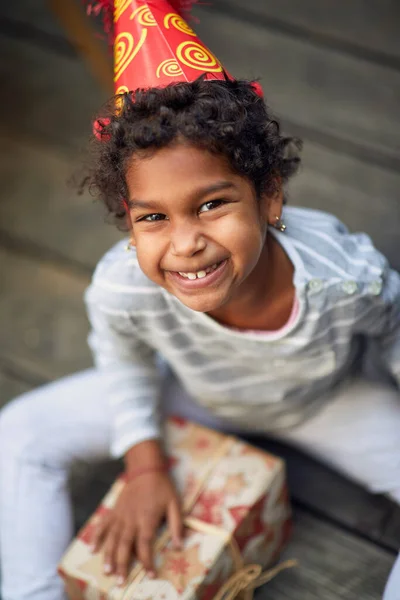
point(199, 279)
point(199, 274)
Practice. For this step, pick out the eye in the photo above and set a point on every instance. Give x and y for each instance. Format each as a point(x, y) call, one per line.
point(153, 217)
point(210, 205)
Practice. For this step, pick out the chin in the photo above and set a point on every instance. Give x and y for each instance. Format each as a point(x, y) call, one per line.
point(203, 305)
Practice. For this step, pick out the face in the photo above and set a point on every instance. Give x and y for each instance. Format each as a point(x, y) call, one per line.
point(198, 228)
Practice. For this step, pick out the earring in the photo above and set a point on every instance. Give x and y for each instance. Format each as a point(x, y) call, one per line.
point(128, 247)
point(279, 224)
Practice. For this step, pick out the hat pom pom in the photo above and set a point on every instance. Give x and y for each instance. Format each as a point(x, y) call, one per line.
point(100, 129)
point(106, 9)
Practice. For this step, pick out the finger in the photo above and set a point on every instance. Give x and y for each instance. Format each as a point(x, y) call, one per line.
point(144, 545)
point(124, 555)
point(175, 524)
point(110, 547)
point(99, 533)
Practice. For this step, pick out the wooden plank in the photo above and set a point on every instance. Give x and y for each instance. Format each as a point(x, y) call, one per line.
point(342, 96)
point(364, 196)
point(39, 20)
point(83, 37)
point(337, 499)
point(47, 95)
point(333, 565)
point(366, 25)
point(43, 326)
point(345, 97)
point(33, 12)
point(370, 25)
point(42, 208)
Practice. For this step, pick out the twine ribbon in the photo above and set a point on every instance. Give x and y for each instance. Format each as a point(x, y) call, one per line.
point(248, 578)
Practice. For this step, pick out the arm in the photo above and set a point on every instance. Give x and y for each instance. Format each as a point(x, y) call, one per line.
point(382, 322)
point(389, 338)
point(129, 373)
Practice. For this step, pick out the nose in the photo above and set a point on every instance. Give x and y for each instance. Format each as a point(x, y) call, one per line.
point(187, 240)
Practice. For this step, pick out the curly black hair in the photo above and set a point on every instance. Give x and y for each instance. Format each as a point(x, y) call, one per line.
point(226, 117)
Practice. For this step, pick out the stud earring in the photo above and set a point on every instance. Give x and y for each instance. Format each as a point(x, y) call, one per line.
point(128, 247)
point(279, 224)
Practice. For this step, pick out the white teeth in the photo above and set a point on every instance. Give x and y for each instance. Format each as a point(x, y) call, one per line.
point(212, 268)
point(199, 274)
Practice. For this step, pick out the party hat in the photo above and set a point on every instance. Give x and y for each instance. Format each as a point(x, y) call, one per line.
point(154, 45)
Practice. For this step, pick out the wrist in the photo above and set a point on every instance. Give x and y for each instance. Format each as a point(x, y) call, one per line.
point(149, 470)
point(146, 455)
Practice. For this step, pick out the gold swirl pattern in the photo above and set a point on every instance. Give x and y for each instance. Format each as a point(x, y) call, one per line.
point(120, 7)
point(169, 67)
point(118, 101)
point(176, 21)
point(121, 90)
point(125, 51)
point(144, 16)
point(196, 56)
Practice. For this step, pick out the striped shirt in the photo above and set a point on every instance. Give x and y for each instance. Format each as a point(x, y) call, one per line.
point(346, 292)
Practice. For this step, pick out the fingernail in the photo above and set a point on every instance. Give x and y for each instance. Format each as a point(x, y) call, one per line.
point(178, 545)
point(92, 548)
point(151, 574)
point(120, 580)
point(107, 568)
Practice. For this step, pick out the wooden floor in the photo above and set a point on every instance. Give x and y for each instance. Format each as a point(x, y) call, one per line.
point(331, 71)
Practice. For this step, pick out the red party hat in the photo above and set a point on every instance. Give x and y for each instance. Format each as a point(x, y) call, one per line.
point(154, 46)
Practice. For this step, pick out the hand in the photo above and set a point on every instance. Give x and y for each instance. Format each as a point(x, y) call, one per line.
point(132, 525)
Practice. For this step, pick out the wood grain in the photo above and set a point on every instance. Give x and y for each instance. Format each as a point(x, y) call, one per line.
point(342, 96)
point(349, 26)
point(39, 205)
point(337, 499)
point(333, 565)
point(43, 326)
point(47, 95)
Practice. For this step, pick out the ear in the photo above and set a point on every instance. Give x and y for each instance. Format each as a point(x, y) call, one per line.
point(132, 241)
point(275, 203)
point(271, 204)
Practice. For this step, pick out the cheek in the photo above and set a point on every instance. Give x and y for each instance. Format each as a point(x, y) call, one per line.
point(148, 257)
point(244, 237)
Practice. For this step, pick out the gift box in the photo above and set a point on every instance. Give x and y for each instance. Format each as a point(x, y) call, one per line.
point(236, 513)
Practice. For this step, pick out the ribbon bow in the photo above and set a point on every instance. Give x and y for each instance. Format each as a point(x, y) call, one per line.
point(248, 578)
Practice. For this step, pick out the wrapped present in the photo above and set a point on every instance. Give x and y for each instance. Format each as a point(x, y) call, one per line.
point(236, 512)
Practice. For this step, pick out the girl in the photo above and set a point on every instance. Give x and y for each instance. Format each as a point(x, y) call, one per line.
point(259, 312)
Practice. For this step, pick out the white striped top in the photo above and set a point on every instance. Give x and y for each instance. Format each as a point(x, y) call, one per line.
point(346, 293)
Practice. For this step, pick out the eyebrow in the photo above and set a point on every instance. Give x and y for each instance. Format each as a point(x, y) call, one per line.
point(199, 193)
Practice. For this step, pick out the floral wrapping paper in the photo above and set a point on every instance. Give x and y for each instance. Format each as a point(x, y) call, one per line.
point(236, 503)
